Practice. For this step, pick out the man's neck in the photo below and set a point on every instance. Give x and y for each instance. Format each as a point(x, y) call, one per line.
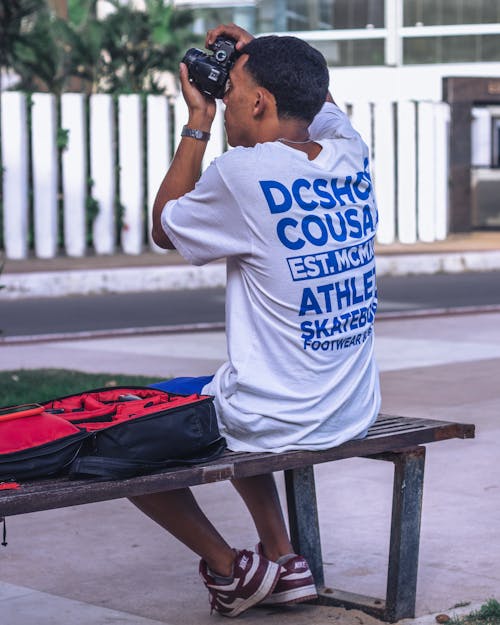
point(295, 134)
point(295, 131)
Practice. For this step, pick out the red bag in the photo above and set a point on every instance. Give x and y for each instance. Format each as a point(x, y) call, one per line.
point(110, 432)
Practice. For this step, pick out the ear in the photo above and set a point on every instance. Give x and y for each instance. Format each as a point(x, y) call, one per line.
point(263, 102)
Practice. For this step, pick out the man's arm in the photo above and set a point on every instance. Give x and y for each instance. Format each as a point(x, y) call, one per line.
point(185, 168)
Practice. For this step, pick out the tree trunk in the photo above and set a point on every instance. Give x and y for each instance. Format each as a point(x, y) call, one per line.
point(60, 7)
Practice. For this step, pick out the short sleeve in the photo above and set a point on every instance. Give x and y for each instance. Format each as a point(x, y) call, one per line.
point(331, 123)
point(207, 223)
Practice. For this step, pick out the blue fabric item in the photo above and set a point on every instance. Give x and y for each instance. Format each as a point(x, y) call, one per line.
point(183, 386)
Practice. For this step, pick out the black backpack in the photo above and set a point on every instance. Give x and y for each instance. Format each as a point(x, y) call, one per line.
point(112, 432)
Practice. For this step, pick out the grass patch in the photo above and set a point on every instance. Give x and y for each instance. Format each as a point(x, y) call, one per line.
point(488, 614)
point(26, 386)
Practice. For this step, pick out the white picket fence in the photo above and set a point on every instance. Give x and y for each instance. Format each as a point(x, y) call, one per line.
point(408, 140)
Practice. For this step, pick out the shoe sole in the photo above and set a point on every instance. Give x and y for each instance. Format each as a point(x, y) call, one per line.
point(298, 595)
point(266, 587)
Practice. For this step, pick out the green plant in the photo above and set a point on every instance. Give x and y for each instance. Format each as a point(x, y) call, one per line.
point(138, 45)
point(41, 57)
point(15, 19)
point(31, 199)
point(123, 53)
point(2, 171)
point(62, 138)
point(2, 286)
point(488, 614)
point(91, 211)
point(2, 264)
point(79, 11)
point(86, 57)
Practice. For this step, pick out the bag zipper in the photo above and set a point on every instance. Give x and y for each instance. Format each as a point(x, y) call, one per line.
point(154, 415)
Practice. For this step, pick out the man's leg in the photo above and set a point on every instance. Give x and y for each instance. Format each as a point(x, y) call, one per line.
point(296, 583)
point(178, 512)
point(235, 581)
point(260, 495)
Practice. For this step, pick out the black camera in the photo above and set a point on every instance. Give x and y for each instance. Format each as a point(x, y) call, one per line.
point(209, 72)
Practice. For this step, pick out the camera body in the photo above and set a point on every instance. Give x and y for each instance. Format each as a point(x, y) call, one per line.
point(209, 72)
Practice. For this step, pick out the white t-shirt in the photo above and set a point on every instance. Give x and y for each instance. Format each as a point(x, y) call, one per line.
point(298, 237)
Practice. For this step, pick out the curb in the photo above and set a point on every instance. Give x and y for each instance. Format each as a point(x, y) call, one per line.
point(431, 619)
point(181, 277)
point(443, 262)
point(122, 280)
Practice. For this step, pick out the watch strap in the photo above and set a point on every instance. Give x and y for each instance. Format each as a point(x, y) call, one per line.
point(195, 134)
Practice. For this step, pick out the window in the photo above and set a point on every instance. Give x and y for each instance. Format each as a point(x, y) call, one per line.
point(468, 48)
point(299, 15)
point(358, 13)
point(314, 15)
point(448, 12)
point(352, 51)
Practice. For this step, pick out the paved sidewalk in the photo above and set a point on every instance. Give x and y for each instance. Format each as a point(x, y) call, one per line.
point(107, 563)
point(477, 251)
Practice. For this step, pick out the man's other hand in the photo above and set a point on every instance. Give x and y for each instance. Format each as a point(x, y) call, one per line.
point(242, 37)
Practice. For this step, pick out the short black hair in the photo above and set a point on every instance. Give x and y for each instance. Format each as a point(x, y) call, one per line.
point(292, 70)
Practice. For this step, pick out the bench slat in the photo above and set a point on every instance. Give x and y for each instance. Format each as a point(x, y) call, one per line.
point(389, 433)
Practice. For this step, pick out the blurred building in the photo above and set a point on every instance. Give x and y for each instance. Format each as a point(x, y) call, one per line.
point(398, 50)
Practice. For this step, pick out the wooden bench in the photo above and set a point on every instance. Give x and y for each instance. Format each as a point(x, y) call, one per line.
point(391, 438)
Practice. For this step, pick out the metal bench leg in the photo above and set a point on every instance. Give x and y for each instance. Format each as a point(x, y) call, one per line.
point(405, 533)
point(303, 518)
point(404, 542)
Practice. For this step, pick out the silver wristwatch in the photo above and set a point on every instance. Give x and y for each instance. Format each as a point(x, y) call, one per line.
point(195, 134)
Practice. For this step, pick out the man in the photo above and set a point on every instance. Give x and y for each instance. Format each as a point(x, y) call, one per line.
point(291, 209)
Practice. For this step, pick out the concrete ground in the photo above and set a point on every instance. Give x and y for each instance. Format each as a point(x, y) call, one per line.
point(107, 563)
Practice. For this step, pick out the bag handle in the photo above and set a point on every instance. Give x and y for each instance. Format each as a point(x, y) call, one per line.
point(17, 412)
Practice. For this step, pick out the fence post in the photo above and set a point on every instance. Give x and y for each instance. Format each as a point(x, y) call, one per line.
point(131, 172)
point(159, 152)
point(102, 171)
point(426, 180)
point(43, 137)
point(384, 170)
point(215, 146)
point(180, 118)
point(74, 173)
point(406, 173)
point(441, 143)
point(15, 177)
point(361, 120)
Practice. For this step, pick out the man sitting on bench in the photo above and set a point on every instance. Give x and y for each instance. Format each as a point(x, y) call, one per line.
point(292, 210)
